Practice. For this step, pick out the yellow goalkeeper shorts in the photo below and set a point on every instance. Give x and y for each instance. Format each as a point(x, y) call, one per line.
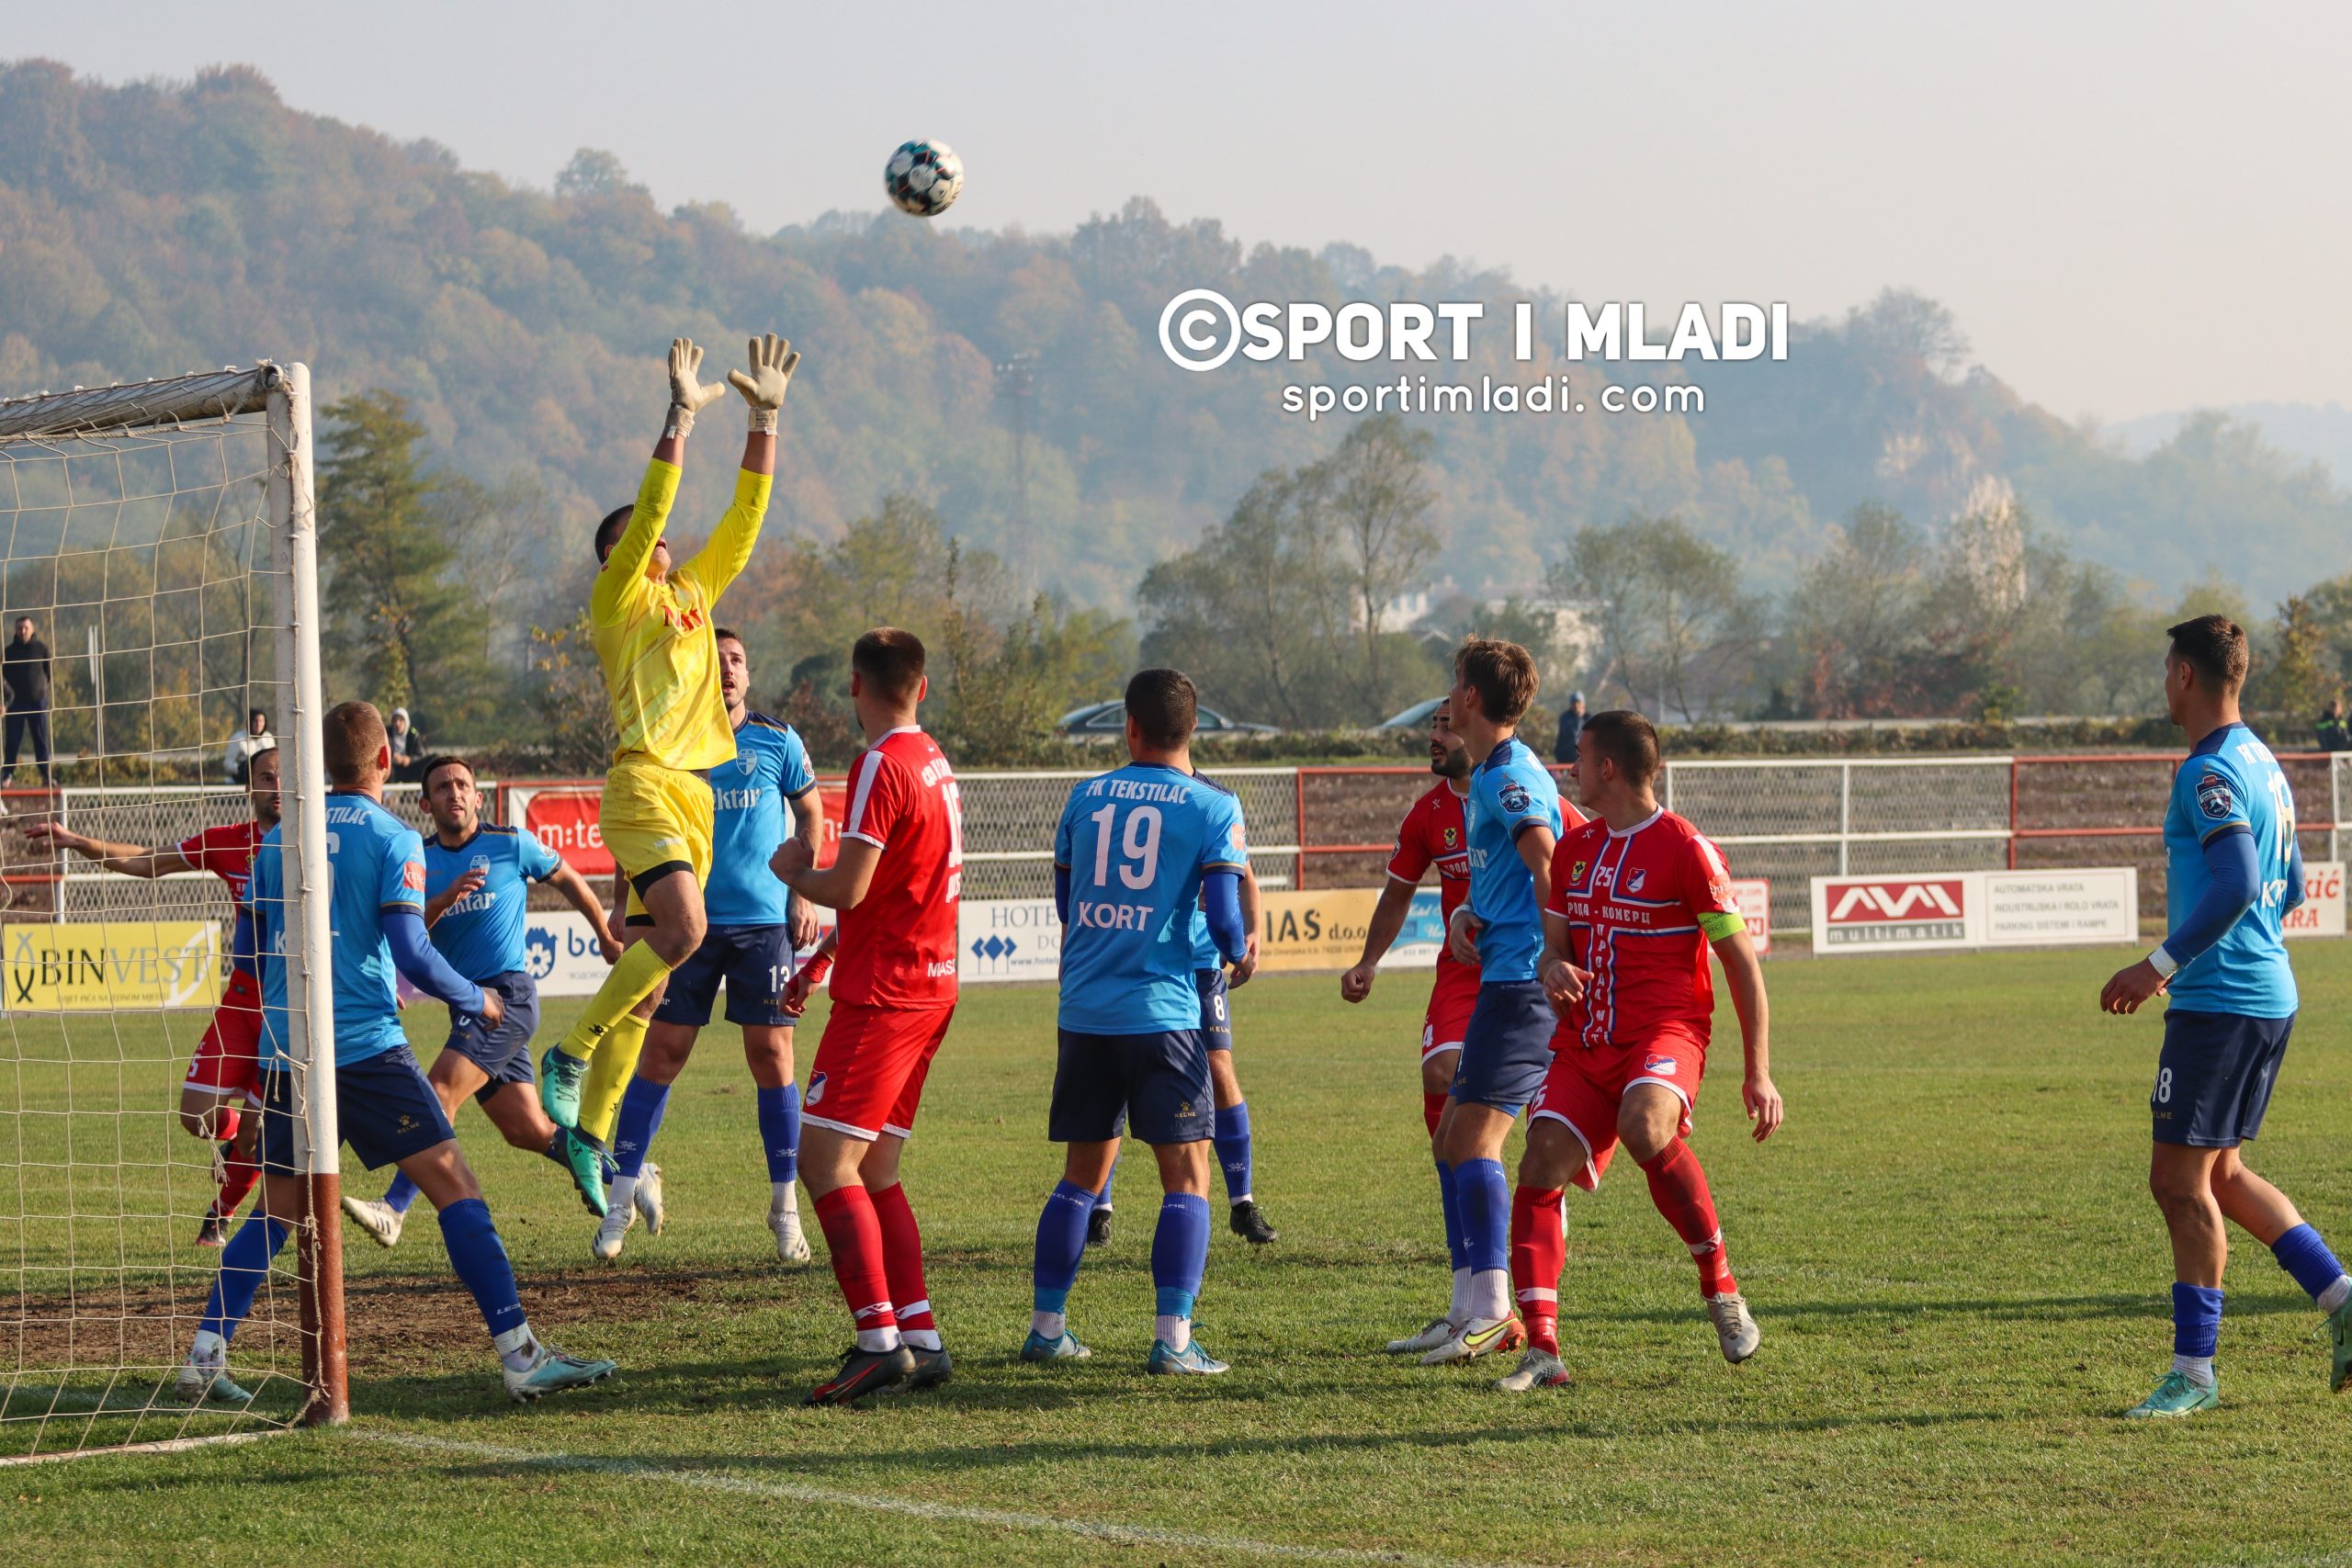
point(656, 820)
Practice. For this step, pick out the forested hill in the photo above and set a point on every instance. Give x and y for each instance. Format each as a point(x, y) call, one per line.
point(154, 227)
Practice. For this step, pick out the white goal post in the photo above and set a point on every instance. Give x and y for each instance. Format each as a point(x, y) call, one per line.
point(162, 537)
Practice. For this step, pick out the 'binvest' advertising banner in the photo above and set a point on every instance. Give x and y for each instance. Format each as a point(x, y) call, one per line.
point(1924, 911)
point(115, 965)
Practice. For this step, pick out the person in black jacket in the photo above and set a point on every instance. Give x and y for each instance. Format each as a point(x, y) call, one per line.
point(1563, 748)
point(2334, 735)
point(24, 671)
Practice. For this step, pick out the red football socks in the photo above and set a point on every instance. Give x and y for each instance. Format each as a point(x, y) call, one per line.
point(1539, 1250)
point(237, 1180)
point(1679, 1188)
point(854, 1234)
point(902, 1260)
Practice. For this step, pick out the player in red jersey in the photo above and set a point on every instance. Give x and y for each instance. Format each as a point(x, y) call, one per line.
point(1433, 833)
point(1638, 896)
point(895, 879)
point(227, 1064)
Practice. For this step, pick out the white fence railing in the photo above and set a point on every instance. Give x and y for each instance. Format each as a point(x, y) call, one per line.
point(1785, 819)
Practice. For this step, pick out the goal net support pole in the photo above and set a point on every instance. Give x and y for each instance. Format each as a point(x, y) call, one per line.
point(310, 985)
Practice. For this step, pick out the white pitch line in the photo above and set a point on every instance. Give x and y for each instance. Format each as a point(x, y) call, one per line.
point(162, 1445)
point(789, 1492)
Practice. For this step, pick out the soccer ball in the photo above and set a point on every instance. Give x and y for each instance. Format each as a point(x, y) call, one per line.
point(923, 177)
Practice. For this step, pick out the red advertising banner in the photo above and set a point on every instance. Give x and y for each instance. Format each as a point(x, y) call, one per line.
point(565, 821)
point(565, 818)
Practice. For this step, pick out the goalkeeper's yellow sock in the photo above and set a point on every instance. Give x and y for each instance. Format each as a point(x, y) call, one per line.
point(632, 980)
point(608, 1076)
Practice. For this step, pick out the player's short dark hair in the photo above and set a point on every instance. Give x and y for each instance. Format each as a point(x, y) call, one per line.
point(1502, 674)
point(1628, 739)
point(444, 760)
point(609, 532)
point(1165, 706)
point(355, 738)
point(2213, 646)
point(890, 659)
point(727, 634)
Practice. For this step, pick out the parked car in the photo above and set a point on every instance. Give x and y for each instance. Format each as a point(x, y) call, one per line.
point(1414, 717)
point(1101, 721)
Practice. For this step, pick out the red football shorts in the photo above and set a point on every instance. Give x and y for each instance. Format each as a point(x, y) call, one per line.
point(228, 1059)
point(1585, 1088)
point(1451, 1000)
point(867, 1078)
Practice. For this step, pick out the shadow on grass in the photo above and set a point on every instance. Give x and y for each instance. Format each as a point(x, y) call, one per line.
point(2156, 1302)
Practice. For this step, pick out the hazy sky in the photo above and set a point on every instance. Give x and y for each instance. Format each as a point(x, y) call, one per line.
point(2131, 208)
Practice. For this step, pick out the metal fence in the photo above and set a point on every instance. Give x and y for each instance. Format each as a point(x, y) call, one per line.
point(1780, 818)
point(43, 883)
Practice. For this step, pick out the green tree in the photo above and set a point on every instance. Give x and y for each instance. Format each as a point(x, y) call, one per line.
point(406, 629)
point(1378, 497)
point(1678, 629)
point(2290, 682)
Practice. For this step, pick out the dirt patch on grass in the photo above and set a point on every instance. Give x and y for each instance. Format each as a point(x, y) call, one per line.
point(387, 1317)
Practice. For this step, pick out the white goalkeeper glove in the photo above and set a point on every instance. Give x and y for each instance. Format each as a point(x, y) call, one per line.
point(763, 386)
point(688, 396)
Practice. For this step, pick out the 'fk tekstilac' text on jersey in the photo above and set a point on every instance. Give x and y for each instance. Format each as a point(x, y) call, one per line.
point(751, 816)
point(1641, 907)
point(1511, 793)
point(2231, 784)
point(1435, 833)
point(375, 862)
point(655, 640)
point(896, 948)
point(482, 934)
point(1137, 844)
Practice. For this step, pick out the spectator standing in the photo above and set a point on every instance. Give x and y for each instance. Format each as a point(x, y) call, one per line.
point(408, 748)
point(24, 671)
point(254, 736)
point(2334, 735)
point(1563, 748)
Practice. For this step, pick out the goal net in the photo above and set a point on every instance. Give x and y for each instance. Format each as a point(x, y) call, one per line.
point(158, 583)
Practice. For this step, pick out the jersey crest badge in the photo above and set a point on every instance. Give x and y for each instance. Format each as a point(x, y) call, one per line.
point(1576, 872)
point(1634, 883)
point(1514, 797)
point(1453, 837)
point(2214, 796)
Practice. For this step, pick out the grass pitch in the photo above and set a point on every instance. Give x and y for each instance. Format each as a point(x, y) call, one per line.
point(1950, 1246)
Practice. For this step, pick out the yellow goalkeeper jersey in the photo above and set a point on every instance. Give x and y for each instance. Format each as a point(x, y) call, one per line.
point(655, 640)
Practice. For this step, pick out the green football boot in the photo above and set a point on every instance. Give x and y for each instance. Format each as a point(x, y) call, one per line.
point(2177, 1395)
point(585, 1161)
point(560, 1075)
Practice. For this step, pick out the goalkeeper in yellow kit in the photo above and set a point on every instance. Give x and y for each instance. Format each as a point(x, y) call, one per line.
point(653, 632)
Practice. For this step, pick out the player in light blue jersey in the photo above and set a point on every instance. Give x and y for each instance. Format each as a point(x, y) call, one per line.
point(2233, 871)
point(1513, 816)
point(1232, 1140)
point(387, 1111)
point(765, 796)
point(1137, 851)
point(477, 888)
